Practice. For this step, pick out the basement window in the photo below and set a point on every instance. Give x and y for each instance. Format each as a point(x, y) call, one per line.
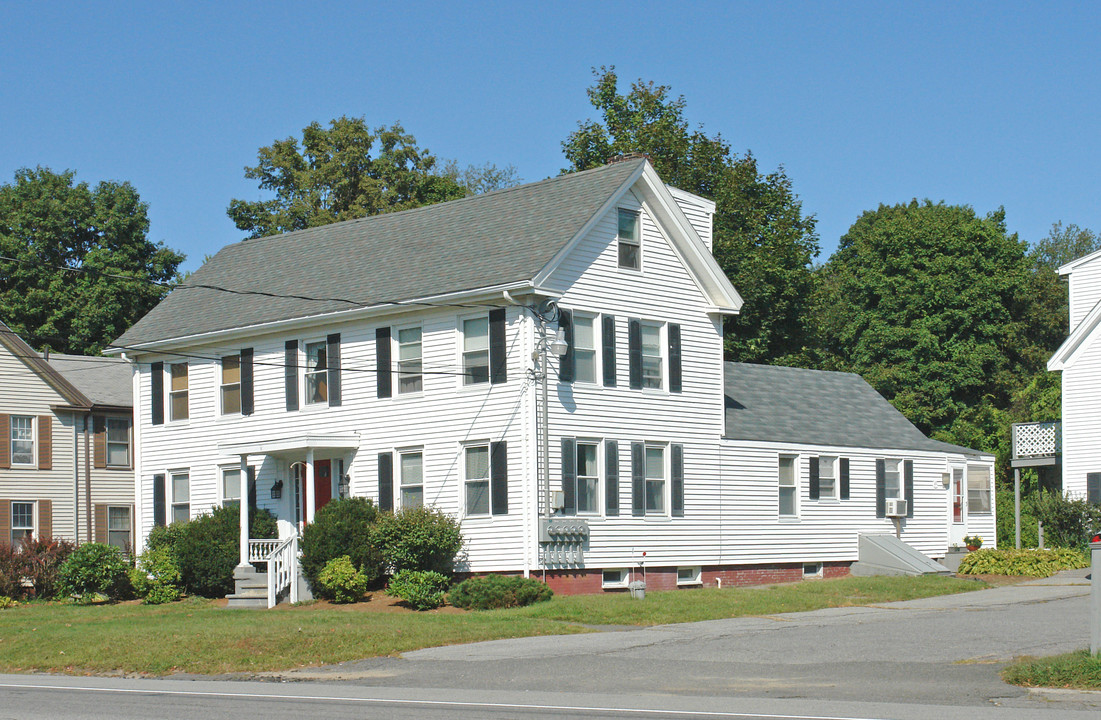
point(615, 578)
point(689, 576)
point(812, 571)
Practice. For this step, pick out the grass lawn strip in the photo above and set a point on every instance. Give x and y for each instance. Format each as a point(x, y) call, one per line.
point(1077, 671)
point(198, 637)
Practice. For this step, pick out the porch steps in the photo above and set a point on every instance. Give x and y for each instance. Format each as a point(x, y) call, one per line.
point(251, 590)
point(887, 555)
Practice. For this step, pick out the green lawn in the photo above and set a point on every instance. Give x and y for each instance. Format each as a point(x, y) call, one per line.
point(1077, 670)
point(198, 637)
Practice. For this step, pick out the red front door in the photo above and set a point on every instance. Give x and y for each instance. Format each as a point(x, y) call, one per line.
point(322, 486)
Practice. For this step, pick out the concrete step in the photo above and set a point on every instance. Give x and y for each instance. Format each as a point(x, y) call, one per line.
point(252, 602)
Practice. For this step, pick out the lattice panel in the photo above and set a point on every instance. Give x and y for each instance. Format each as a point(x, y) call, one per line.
point(1037, 439)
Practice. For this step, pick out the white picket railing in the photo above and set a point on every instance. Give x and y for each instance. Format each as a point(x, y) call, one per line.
point(259, 550)
point(282, 562)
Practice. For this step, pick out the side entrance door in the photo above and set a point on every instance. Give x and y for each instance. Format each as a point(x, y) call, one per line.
point(322, 486)
point(958, 526)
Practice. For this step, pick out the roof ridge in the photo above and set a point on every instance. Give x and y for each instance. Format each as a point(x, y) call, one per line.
point(794, 367)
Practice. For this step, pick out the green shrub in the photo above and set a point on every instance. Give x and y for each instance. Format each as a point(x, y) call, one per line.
point(42, 560)
point(342, 527)
point(972, 541)
point(94, 569)
point(498, 591)
point(340, 581)
point(422, 589)
point(7, 603)
point(1067, 523)
point(11, 572)
point(1030, 563)
point(156, 579)
point(208, 548)
point(419, 538)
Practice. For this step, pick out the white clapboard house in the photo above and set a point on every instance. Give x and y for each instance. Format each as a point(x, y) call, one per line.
point(1079, 359)
point(399, 357)
point(65, 446)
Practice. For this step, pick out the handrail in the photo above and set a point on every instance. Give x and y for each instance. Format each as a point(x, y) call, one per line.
point(259, 550)
point(282, 563)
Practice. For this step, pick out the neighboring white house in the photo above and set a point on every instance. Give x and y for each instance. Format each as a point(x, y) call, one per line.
point(1079, 359)
point(65, 446)
point(396, 357)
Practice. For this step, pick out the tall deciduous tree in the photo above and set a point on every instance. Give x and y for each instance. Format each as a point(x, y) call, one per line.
point(48, 224)
point(1064, 244)
point(939, 309)
point(762, 240)
point(337, 174)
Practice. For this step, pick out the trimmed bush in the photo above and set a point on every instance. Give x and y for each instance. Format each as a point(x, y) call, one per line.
point(1030, 563)
point(498, 591)
point(156, 579)
point(422, 589)
point(94, 569)
point(207, 548)
point(342, 527)
point(419, 538)
point(42, 561)
point(340, 581)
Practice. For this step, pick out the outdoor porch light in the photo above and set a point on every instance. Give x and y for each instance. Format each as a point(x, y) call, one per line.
point(277, 490)
point(558, 346)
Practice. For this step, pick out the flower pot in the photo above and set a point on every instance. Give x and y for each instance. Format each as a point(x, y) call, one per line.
point(972, 548)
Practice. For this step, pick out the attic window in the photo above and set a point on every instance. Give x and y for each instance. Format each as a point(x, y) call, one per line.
point(630, 243)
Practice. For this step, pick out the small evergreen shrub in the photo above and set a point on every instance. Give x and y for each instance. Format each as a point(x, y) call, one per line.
point(343, 527)
point(94, 569)
point(207, 548)
point(498, 591)
point(42, 560)
point(156, 579)
point(340, 581)
point(1029, 563)
point(420, 538)
point(422, 589)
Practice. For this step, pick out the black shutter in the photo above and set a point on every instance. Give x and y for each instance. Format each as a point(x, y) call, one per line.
point(814, 486)
point(156, 386)
point(678, 480)
point(498, 474)
point(634, 352)
point(290, 373)
point(383, 378)
point(880, 488)
point(909, 465)
point(638, 478)
point(844, 478)
point(247, 404)
point(567, 364)
point(674, 358)
point(332, 358)
point(1093, 488)
point(607, 340)
point(611, 478)
point(251, 474)
point(160, 510)
point(385, 482)
point(498, 351)
point(569, 476)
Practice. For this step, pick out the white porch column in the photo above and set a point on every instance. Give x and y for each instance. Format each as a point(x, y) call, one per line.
point(311, 495)
point(243, 505)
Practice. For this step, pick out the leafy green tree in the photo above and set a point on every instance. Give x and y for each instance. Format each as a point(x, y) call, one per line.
point(479, 179)
point(1064, 244)
point(762, 240)
point(53, 229)
point(336, 174)
point(937, 308)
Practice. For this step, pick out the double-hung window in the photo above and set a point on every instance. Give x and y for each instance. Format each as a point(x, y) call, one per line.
point(118, 442)
point(789, 489)
point(476, 479)
point(177, 392)
point(476, 351)
point(181, 497)
point(411, 467)
point(22, 440)
point(22, 521)
point(118, 527)
point(978, 489)
point(584, 349)
point(588, 478)
point(630, 240)
point(655, 479)
point(409, 360)
point(651, 356)
point(892, 475)
point(827, 478)
point(317, 373)
point(231, 486)
point(231, 384)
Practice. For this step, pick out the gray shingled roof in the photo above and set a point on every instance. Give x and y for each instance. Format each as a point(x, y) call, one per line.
point(500, 237)
point(814, 407)
point(105, 381)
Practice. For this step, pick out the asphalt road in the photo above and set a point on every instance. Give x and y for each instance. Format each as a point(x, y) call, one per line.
point(933, 658)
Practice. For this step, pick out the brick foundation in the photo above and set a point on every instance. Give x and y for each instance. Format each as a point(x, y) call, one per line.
point(590, 581)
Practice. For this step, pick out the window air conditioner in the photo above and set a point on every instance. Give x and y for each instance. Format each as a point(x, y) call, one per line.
point(896, 508)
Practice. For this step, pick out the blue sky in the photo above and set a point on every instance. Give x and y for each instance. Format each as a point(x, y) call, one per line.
point(984, 104)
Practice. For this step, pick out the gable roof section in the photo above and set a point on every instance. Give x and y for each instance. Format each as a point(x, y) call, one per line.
point(769, 403)
point(488, 240)
point(36, 364)
point(106, 382)
point(1078, 340)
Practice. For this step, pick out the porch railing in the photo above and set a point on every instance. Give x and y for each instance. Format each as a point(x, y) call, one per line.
point(1037, 439)
point(283, 571)
point(259, 550)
